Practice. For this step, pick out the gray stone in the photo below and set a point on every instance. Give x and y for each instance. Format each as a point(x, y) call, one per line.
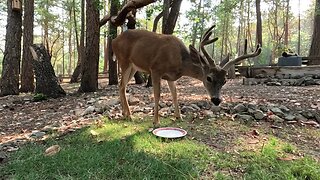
point(37, 134)
point(299, 117)
point(187, 109)
point(244, 117)
point(240, 108)
point(289, 117)
point(113, 102)
point(194, 106)
point(89, 110)
point(208, 113)
point(273, 84)
point(277, 111)
point(215, 108)
point(258, 115)
point(133, 100)
point(264, 108)
point(284, 108)
point(307, 114)
point(276, 118)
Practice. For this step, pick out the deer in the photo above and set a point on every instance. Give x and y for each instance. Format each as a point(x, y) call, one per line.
point(166, 57)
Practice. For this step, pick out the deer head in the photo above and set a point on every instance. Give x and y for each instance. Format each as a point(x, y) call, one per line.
point(214, 76)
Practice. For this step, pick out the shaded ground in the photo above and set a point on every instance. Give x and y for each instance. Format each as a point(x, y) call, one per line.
point(20, 115)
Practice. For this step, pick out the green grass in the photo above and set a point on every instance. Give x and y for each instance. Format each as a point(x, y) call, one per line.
point(126, 150)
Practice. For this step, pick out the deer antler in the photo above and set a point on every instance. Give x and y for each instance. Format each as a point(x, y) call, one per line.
point(244, 56)
point(205, 41)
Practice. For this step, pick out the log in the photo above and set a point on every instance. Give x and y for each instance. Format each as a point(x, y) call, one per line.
point(46, 81)
point(278, 71)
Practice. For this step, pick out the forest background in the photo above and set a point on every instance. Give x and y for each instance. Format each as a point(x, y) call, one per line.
point(235, 20)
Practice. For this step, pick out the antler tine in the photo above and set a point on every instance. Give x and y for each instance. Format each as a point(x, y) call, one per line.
point(205, 41)
point(244, 56)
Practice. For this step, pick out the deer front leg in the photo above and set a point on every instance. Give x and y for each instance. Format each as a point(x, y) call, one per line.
point(173, 90)
point(126, 76)
point(156, 92)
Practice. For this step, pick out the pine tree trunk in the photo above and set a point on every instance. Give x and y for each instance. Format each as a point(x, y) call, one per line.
point(46, 81)
point(9, 84)
point(315, 44)
point(113, 71)
point(77, 70)
point(27, 75)
point(89, 80)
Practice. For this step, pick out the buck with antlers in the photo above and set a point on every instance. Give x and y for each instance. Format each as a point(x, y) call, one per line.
point(166, 57)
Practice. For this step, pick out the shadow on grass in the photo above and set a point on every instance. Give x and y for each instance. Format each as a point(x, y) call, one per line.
point(117, 152)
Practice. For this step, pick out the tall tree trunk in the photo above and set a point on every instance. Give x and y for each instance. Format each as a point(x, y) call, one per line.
point(315, 44)
point(299, 30)
point(77, 70)
point(27, 75)
point(169, 21)
point(195, 27)
point(113, 71)
point(89, 80)
point(132, 25)
point(286, 26)
point(70, 40)
point(12, 54)
point(259, 23)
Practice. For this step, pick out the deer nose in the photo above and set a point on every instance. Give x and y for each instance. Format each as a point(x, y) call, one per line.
point(216, 101)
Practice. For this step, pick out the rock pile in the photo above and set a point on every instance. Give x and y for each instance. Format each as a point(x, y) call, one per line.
point(283, 80)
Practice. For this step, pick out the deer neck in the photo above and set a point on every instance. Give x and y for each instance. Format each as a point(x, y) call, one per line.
point(193, 70)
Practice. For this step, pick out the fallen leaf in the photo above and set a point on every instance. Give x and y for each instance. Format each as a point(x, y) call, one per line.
point(254, 141)
point(255, 132)
point(311, 123)
point(276, 127)
point(52, 150)
point(288, 158)
point(94, 133)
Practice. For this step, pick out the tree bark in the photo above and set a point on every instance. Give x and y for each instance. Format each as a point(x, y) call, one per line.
point(46, 81)
point(259, 22)
point(89, 80)
point(132, 25)
point(113, 71)
point(12, 55)
point(315, 44)
point(27, 75)
point(77, 70)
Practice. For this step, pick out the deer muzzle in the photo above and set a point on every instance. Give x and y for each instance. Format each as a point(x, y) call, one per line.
point(216, 101)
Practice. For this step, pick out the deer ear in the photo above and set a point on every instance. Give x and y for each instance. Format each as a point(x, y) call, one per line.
point(196, 57)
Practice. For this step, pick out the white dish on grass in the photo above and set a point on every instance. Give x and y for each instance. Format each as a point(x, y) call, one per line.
point(169, 132)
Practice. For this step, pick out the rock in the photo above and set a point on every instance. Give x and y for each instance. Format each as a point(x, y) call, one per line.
point(240, 108)
point(215, 108)
point(204, 104)
point(133, 100)
point(264, 108)
point(37, 134)
point(276, 118)
point(187, 109)
point(208, 113)
point(284, 108)
point(277, 111)
point(194, 106)
point(307, 114)
point(245, 117)
point(258, 115)
point(317, 117)
point(300, 117)
point(91, 101)
point(89, 110)
point(3, 157)
point(273, 84)
point(113, 102)
point(289, 117)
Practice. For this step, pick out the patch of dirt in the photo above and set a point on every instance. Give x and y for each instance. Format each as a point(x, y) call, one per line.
point(19, 115)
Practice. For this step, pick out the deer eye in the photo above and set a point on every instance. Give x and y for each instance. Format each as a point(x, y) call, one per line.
point(209, 79)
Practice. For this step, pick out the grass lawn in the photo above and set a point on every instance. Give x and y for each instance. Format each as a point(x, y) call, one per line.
point(127, 150)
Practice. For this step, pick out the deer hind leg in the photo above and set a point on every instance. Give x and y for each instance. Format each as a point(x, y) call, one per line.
point(127, 74)
point(173, 90)
point(156, 91)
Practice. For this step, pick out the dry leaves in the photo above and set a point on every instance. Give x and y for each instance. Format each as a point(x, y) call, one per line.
point(52, 150)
